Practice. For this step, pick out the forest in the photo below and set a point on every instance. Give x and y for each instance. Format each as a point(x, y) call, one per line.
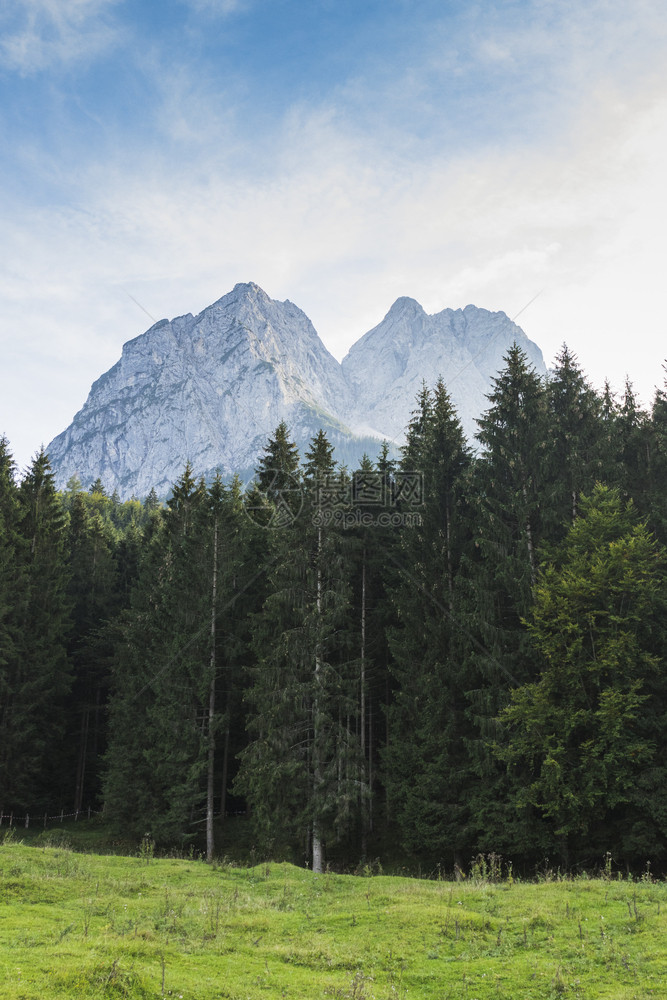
point(460, 651)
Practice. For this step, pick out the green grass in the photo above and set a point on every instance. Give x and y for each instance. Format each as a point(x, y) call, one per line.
point(80, 925)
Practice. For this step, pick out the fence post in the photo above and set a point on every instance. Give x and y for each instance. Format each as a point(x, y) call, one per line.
point(27, 820)
point(11, 818)
point(62, 813)
point(88, 812)
point(45, 821)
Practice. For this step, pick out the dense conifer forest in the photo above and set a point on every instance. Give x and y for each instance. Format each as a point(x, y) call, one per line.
point(462, 651)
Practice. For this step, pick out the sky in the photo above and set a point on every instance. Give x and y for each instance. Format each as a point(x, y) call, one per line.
point(340, 154)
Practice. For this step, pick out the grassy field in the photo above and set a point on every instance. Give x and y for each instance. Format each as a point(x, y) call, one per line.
point(82, 925)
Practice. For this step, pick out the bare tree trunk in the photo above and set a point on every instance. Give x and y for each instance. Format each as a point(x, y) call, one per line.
point(225, 769)
point(370, 770)
point(210, 840)
point(450, 568)
point(529, 542)
point(83, 754)
point(318, 851)
point(362, 708)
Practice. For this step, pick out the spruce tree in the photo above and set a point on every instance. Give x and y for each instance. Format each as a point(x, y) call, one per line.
point(300, 771)
point(156, 763)
point(42, 676)
point(13, 596)
point(425, 762)
point(583, 737)
point(573, 459)
point(658, 467)
point(277, 481)
point(93, 591)
point(506, 493)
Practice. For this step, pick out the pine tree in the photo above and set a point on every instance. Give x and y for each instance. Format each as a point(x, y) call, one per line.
point(227, 606)
point(277, 481)
point(425, 762)
point(156, 763)
point(585, 733)
point(506, 493)
point(93, 591)
point(573, 459)
point(42, 674)
point(300, 770)
point(658, 469)
point(633, 443)
point(13, 596)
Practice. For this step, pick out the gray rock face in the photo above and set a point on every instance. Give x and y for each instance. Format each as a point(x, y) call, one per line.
point(387, 366)
point(212, 388)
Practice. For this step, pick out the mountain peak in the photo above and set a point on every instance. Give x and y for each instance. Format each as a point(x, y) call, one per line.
point(405, 306)
point(211, 388)
point(249, 288)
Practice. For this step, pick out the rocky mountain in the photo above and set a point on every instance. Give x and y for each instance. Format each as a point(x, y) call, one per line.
point(212, 388)
point(386, 367)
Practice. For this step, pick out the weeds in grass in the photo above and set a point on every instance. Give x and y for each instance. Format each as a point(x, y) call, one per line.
point(55, 838)
point(486, 868)
point(147, 849)
point(276, 931)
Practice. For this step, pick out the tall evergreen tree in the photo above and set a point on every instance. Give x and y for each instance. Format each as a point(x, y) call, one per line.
point(42, 674)
point(277, 480)
point(507, 489)
point(300, 772)
point(573, 455)
point(13, 596)
point(156, 763)
point(93, 591)
point(425, 763)
point(584, 736)
point(658, 468)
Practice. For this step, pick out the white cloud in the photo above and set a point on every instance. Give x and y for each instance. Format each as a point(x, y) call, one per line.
point(218, 8)
point(40, 34)
point(342, 222)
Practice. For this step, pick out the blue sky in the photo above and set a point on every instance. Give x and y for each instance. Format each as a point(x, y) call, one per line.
point(340, 154)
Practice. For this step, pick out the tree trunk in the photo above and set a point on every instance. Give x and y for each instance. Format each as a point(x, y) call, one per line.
point(210, 840)
point(225, 770)
point(529, 541)
point(318, 851)
point(362, 708)
point(83, 754)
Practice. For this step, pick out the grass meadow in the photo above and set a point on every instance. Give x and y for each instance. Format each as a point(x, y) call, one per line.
point(85, 925)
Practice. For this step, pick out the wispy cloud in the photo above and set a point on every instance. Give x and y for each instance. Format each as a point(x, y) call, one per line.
point(40, 34)
point(497, 156)
point(218, 8)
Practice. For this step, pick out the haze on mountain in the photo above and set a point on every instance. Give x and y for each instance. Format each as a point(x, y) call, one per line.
point(210, 389)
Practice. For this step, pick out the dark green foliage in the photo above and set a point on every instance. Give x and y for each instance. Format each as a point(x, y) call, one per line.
point(13, 596)
point(476, 667)
point(425, 758)
point(174, 664)
point(95, 599)
point(37, 677)
point(300, 771)
point(573, 459)
point(157, 750)
point(583, 734)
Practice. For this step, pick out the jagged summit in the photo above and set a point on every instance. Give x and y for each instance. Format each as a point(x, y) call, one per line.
point(387, 366)
point(211, 388)
point(405, 306)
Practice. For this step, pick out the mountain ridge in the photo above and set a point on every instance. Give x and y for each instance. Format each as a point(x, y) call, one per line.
point(211, 388)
